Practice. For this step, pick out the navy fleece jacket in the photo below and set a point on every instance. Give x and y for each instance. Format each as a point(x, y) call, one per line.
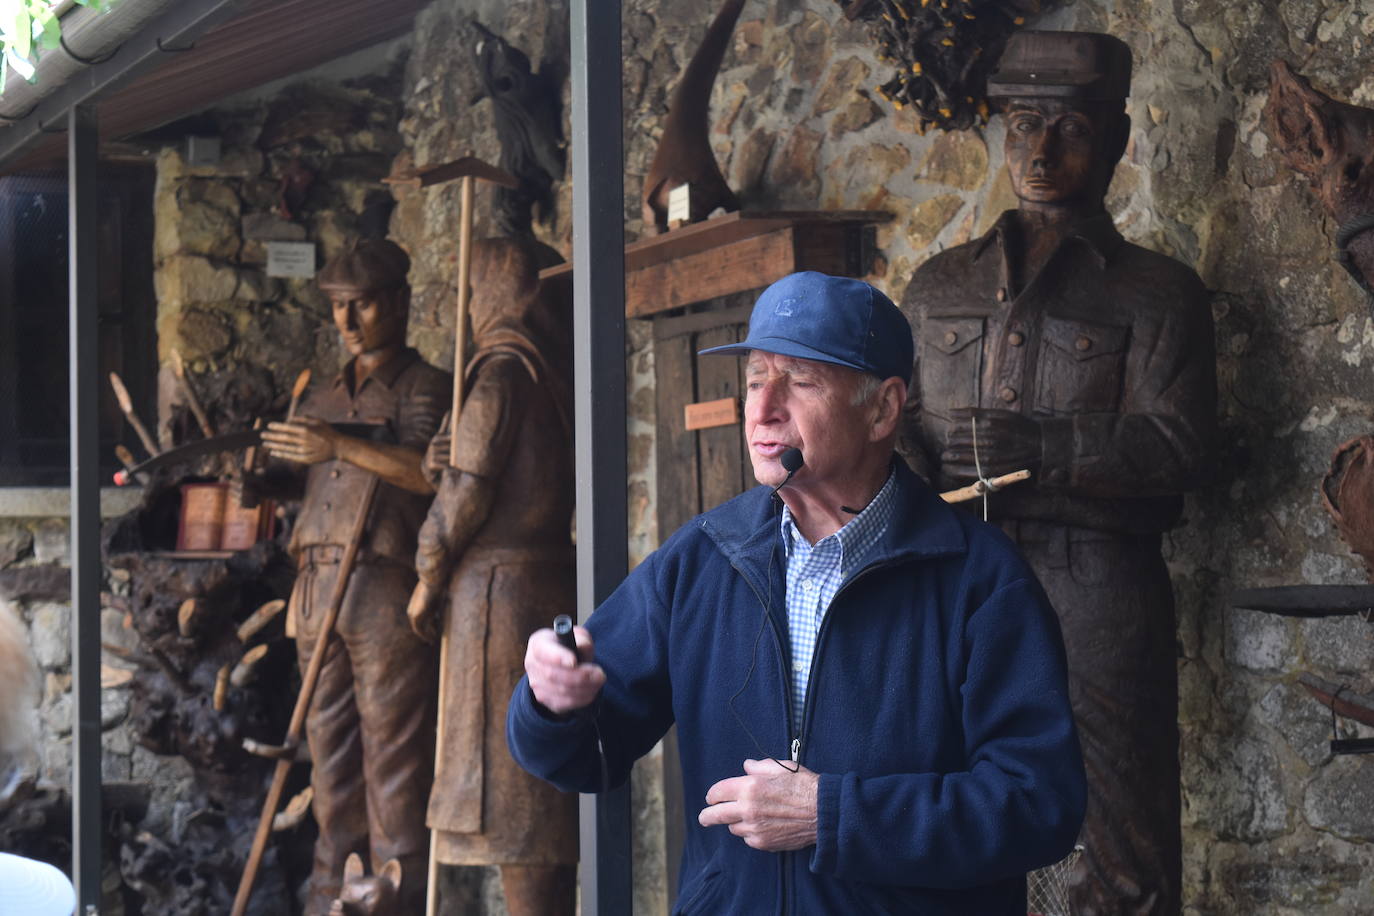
point(937, 713)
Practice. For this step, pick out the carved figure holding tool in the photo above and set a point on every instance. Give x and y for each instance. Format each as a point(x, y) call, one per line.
point(370, 727)
point(495, 555)
point(1053, 344)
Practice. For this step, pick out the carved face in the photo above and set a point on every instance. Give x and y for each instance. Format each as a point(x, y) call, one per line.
point(1328, 141)
point(1060, 154)
point(368, 320)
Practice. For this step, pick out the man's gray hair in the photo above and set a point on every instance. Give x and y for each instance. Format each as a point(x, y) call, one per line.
point(865, 389)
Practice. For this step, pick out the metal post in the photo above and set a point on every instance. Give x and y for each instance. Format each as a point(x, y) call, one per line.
point(599, 368)
point(84, 390)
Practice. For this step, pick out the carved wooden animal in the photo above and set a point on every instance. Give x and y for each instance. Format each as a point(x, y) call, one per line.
point(1332, 143)
point(684, 153)
point(368, 895)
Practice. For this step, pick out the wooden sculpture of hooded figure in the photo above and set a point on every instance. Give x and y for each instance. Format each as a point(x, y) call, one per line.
point(495, 561)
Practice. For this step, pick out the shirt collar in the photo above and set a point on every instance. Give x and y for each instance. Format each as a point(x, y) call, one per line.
point(385, 374)
point(858, 535)
point(1097, 233)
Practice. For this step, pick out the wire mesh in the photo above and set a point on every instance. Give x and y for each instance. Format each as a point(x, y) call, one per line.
point(1047, 889)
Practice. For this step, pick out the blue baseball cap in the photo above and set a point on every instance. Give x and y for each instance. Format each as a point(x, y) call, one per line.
point(836, 320)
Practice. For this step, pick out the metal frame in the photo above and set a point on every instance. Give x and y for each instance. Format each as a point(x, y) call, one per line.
point(599, 408)
point(180, 24)
point(83, 145)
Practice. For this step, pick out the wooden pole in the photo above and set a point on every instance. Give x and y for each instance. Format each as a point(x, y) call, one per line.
point(308, 682)
point(460, 331)
point(126, 404)
point(460, 342)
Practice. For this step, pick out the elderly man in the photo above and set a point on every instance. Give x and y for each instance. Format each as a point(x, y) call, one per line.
point(868, 685)
point(1053, 344)
point(371, 721)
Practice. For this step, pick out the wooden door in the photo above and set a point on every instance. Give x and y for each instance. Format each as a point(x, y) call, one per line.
point(697, 469)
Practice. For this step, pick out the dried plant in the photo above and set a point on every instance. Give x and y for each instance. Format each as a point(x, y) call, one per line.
point(943, 51)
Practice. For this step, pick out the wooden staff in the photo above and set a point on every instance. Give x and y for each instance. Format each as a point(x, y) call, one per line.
point(460, 332)
point(308, 682)
point(126, 404)
point(126, 458)
point(979, 487)
point(192, 401)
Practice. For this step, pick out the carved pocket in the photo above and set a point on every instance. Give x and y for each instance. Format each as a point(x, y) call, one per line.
point(951, 363)
point(1081, 366)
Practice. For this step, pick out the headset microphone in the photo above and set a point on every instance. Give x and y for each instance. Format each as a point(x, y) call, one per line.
point(791, 463)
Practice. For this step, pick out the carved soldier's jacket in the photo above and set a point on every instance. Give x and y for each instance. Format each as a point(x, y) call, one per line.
point(1109, 348)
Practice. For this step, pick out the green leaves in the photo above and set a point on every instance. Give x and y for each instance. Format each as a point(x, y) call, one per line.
point(26, 23)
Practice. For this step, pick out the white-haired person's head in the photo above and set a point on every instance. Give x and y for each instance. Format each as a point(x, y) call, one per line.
point(26, 886)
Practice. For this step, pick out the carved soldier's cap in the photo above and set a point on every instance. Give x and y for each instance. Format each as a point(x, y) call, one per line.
point(1083, 66)
point(368, 265)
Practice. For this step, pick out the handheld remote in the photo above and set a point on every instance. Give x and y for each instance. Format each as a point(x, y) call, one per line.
point(563, 629)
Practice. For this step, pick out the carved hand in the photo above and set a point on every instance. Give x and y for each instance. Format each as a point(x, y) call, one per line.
point(436, 458)
point(770, 807)
point(1007, 441)
point(561, 684)
point(304, 440)
point(423, 612)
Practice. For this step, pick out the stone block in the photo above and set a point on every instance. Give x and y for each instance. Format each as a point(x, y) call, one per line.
point(1341, 798)
point(50, 635)
point(1295, 883)
point(204, 333)
point(958, 159)
point(929, 218)
point(858, 113)
point(1234, 789)
point(197, 217)
point(841, 84)
point(52, 542)
point(795, 168)
point(1343, 644)
point(36, 583)
point(186, 279)
point(16, 541)
point(1258, 641)
point(114, 706)
point(269, 227)
point(1303, 722)
point(749, 163)
point(56, 716)
point(810, 50)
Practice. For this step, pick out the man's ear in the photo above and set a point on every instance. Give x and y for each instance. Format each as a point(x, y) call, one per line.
point(887, 408)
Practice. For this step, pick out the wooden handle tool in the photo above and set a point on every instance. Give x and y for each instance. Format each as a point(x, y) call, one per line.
point(192, 400)
point(126, 404)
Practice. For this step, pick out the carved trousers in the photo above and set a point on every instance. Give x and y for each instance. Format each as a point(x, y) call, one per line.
point(1116, 609)
point(370, 727)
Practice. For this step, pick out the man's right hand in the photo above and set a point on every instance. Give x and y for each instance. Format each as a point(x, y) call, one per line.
point(422, 612)
point(436, 458)
point(559, 683)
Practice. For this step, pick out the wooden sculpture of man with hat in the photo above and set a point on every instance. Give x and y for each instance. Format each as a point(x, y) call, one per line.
point(1054, 344)
point(371, 722)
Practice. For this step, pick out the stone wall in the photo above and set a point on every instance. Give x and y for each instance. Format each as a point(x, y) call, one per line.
point(1272, 823)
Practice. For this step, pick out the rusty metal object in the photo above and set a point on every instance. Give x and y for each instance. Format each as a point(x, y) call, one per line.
point(1341, 707)
point(684, 154)
point(1348, 495)
point(1332, 144)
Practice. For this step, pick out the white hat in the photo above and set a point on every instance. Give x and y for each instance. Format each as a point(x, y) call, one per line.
point(32, 888)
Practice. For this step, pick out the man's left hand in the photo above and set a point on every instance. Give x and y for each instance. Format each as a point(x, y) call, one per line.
point(1007, 441)
point(770, 807)
point(304, 440)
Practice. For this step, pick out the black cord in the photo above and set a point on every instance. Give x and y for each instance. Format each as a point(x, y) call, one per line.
point(88, 61)
point(754, 655)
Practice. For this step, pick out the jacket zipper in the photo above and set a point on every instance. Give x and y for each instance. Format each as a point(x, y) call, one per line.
point(785, 859)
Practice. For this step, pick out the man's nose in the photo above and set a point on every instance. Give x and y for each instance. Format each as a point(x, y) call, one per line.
point(765, 402)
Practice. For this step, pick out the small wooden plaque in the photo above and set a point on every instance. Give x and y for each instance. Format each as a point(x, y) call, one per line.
point(202, 515)
point(709, 414)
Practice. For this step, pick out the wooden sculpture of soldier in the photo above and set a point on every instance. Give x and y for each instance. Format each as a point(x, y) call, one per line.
point(495, 563)
point(1051, 343)
point(371, 721)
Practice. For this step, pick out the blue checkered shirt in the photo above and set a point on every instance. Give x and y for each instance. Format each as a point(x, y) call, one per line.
point(815, 573)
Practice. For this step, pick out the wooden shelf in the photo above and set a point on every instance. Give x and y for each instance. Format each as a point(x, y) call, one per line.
point(737, 252)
